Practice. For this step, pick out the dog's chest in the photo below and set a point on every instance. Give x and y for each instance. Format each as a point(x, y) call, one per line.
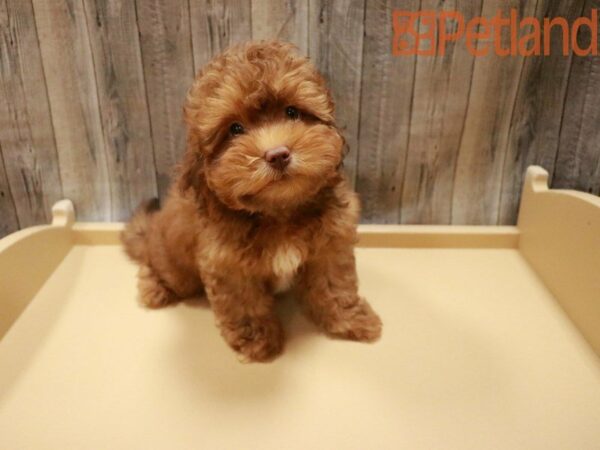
point(285, 262)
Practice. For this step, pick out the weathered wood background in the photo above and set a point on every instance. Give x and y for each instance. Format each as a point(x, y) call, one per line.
point(91, 93)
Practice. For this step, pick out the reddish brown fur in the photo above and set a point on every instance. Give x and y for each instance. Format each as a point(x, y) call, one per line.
point(237, 229)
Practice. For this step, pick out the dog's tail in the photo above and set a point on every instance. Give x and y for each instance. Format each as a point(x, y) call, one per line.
point(134, 236)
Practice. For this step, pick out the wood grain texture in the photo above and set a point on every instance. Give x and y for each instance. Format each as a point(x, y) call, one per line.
point(439, 109)
point(122, 101)
point(578, 162)
point(167, 56)
point(9, 221)
point(385, 115)
point(482, 151)
point(336, 30)
point(539, 109)
point(69, 71)
point(26, 135)
point(91, 97)
point(281, 19)
point(216, 25)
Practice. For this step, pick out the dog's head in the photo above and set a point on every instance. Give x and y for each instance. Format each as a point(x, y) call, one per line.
point(261, 128)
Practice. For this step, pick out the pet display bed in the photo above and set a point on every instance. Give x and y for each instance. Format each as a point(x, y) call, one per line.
point(491, 339)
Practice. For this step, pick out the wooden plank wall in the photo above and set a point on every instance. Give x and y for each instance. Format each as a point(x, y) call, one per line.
point(91, 94)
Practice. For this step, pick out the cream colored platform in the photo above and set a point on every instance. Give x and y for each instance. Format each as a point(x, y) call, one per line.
point(477, 351)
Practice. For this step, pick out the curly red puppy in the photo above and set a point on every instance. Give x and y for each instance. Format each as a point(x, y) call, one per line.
point(259, 205)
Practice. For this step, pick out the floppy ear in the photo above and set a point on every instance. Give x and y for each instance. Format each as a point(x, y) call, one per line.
point(345, 146)
point(191, 169)
point(345, 149)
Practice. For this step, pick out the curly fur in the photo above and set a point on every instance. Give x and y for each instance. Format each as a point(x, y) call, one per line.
point(238, 230)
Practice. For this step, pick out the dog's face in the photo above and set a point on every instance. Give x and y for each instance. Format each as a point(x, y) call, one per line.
point(261, 118)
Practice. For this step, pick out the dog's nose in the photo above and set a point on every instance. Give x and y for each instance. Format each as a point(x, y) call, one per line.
point(278, 157)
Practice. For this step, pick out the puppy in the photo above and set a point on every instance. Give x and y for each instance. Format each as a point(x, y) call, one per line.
point(259, 205)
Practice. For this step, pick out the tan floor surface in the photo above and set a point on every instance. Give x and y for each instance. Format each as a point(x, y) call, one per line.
point(475, 354)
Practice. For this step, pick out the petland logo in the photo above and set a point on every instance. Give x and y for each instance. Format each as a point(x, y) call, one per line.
point(428, 32)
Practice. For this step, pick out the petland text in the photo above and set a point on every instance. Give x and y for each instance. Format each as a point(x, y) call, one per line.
point(427, 33)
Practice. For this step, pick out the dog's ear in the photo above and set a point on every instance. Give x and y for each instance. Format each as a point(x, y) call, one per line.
point(345, 150)
point(191, 169)
point(190, 173)
point(345, 146)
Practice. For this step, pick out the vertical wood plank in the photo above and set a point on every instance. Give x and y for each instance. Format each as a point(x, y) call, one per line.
point(431, 139)
point(8, 214)
point(286, 20)
point(69, 71)
point(539, 108)
point(169, 70)
point(439, 109)
point(26, 134)
point(386, 98)
point(336, 31)
point(578, 162)
point(478, 179)
point(122, 100)
point(217, 25)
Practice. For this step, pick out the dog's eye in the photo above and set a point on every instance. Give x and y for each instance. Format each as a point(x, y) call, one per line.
point(236, 128)
point(292, 112)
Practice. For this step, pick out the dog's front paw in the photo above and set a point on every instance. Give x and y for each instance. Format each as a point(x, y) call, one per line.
point(257, 339)
point(356, 321)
